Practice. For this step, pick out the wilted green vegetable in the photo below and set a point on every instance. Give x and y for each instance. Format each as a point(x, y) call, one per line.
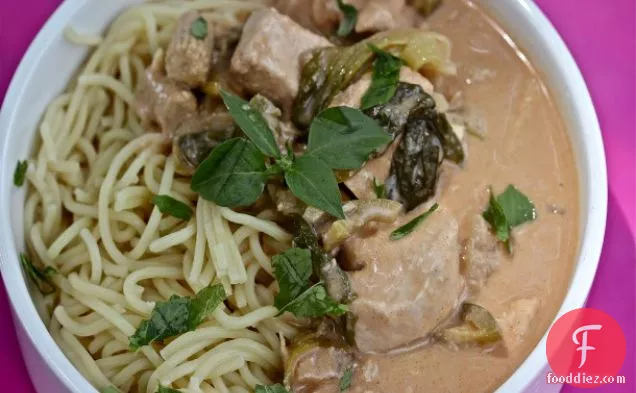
point(40, 277)
point(409, 227)
point(175, 208)
point(394, 114)
point(478, 327)
point(331, 70)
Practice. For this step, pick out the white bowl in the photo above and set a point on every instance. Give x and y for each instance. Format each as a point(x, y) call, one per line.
point(50, 62)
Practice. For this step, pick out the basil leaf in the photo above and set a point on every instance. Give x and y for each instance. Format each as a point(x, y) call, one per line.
point(345, 381)
point(233, 174)
point(41, 278)
point(517, 207)
point(20, 173)
point(206, 301)
point(252, 123)
point(164, 389)
point(379, 189)
point(110, 389)
point(169, 205)
point(385, 78)
point(176, 316)
point(314, 183)
point(349, 19)
point(199, 28)
point(409, 227)
point(278, 388)
point(315, 302)
point(343, 138)
point(293, 269)
point(508, 210)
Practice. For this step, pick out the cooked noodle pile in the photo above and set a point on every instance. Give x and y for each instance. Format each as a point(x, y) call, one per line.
point(89, 215)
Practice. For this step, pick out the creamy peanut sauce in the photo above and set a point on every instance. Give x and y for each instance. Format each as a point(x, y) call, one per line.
point(525, 145)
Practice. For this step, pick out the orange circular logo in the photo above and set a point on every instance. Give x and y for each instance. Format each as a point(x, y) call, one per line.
point(586, 348)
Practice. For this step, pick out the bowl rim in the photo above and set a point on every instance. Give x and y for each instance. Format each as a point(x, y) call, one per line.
point(590, 244)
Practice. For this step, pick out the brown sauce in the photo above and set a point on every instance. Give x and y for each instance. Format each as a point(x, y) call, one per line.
point(525, 145)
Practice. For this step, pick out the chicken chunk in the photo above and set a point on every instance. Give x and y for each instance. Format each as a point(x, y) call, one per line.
point(481, 255)
point(320, 370)
point(516, 320)
point(161, 101)
point(409, 286)
point(271, 53)
point(189, 56)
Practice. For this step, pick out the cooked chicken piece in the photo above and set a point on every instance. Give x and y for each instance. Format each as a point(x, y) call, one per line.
point(373, 15)
point(270, 55)
point(409, 286)
point(163, 102)
point(320, 369)
point(376, 169)
point(189, 56)
point(515, 322)
point(481, 255)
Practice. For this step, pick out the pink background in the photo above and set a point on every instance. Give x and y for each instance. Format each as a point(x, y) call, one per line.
point(602, 37)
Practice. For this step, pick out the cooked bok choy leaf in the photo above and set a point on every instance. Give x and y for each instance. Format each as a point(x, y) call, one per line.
point(478, 327)
point(331, 70)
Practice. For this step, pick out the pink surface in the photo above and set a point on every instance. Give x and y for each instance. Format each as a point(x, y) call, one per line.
point(602, 39)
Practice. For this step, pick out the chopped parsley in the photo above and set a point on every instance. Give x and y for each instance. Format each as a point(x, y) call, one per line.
point(20, 173)
point(199, 28)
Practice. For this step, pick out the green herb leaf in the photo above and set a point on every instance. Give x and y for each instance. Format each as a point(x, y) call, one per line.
point(278, 388)
point(233, 175)
point(345, 381)
point(252, 123)
point(516, 206)
point(343, 138)
point(385, 78)
point(379, 189)
point(199, 28)
point(110, 389)
point(20, 173)
point(315, 302)
point(508, 210)
point(349, 19)
point(164, 389)
point(41, 278)
point(169, 205)
point(407, 228)
point(314, 183)
point(293, 270)
point(293, 274)
point(176, 316)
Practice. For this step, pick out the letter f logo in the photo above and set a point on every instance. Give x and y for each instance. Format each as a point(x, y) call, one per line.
point(583, 344)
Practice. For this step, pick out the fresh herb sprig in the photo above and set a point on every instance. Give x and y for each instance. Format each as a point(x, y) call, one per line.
point(173, 207)
point(176, 316)
point(293, 269)
point(235, 172)
point(349, 19)
point(410, 226)
point(384, 79)
point(506, 211)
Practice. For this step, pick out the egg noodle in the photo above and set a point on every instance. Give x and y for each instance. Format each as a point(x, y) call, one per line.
point(89, 215)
